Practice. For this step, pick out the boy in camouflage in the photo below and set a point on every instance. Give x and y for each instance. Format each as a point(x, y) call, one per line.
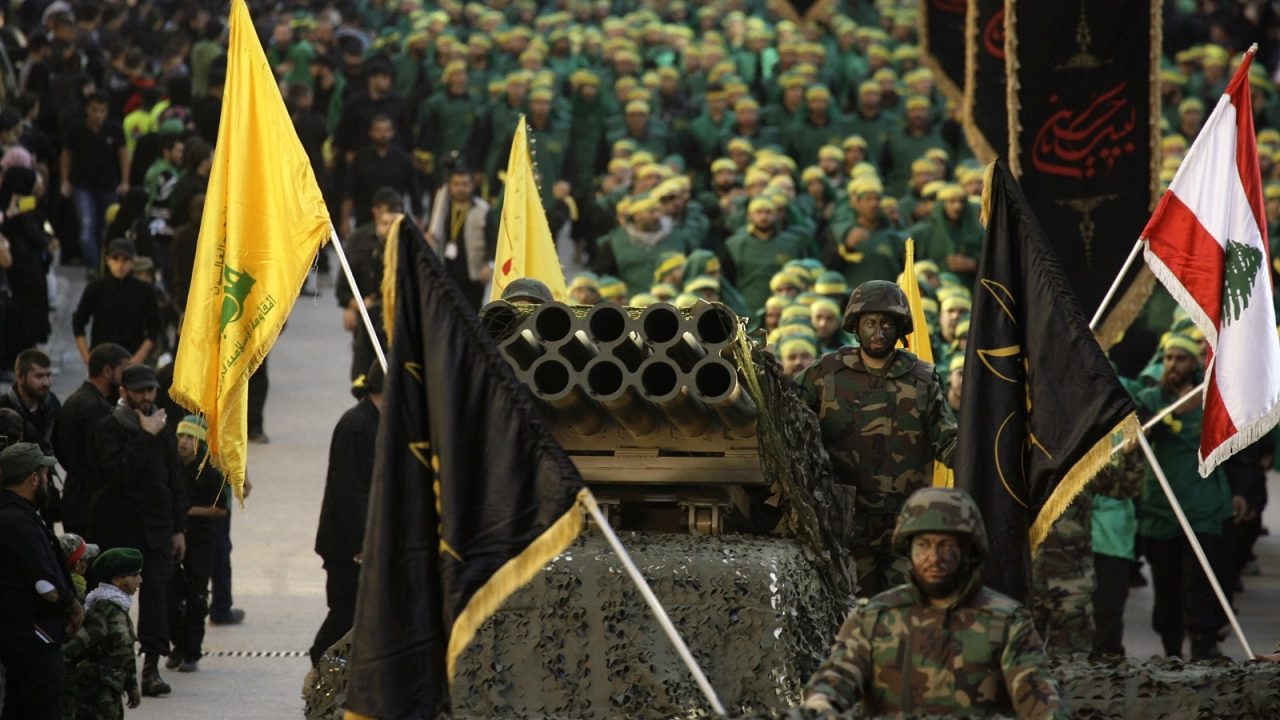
point(941, 644)
point(884, 422)
point(102, 651)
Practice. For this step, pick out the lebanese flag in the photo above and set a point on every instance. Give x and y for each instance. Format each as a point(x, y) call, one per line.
point(1207, 242)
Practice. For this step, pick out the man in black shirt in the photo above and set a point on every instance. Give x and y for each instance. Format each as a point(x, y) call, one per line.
point(364, 252)
point(95, 171)
point(457, 234)
point(31, 398)
point(73, 436)
point(37, 600)
point(142, 504)
point(378, 165)
point(340, 534)
point(121, 307)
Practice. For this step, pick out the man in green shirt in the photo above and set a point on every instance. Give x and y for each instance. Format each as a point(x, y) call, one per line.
point(755, 252)
point(1184, 600)
point(865, 247)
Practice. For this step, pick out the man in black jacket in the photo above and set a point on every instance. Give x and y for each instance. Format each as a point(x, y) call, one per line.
point(340, 535)
point(141, 502)
point(37, 601)
point(77, 421)
point(121, 308)
point(31, 398)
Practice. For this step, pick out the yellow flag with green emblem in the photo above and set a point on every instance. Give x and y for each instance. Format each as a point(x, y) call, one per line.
point(919, 343)
point(264, 221)
point(525, 246)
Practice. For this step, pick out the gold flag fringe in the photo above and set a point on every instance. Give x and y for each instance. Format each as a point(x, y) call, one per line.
point(977, 140)
point(513, 575)
point(1078, 477)
point(390, 266)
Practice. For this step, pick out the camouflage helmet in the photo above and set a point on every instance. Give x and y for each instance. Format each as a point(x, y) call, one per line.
point(877, 296)
point(940, 510)
point(527, 290)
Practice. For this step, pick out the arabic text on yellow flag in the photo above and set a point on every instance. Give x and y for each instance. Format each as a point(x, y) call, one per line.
point(525, 246)
point(264, 221)
point(919, 341)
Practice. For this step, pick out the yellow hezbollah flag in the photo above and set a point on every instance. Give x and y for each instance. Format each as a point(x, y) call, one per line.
point(919, 342)
point(263, 223)
point(525, 247)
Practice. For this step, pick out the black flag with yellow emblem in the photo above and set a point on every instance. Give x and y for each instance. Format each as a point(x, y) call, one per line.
point(471, 494)
point(1042, 407)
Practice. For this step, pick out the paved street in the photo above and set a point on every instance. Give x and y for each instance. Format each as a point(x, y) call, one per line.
point(255, 670)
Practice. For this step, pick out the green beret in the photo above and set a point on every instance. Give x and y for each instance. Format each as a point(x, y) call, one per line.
point(117, 562)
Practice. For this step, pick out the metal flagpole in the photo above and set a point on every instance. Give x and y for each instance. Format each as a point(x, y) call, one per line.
point(652, 601)
point(1195, 544)
point(355, 292)
point(1115, 285)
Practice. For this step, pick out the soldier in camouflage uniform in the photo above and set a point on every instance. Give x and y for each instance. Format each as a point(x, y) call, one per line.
point(102, 651)
point(884, 422)
point(941, 644)
point(1062, 580)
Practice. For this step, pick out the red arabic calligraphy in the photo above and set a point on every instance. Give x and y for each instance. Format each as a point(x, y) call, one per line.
point(993, 35)
point(1080, 144)
point(950, 6)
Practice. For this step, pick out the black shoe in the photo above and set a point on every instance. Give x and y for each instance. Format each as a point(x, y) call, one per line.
point(259, 438)
point(152, 684)
point(174, 661)
point(189, 666)
point(1205, 648)
point(235, 617)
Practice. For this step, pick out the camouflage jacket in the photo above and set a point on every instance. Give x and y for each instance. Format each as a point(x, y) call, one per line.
point(980, 656)
point(883, 430)
point(102, 651)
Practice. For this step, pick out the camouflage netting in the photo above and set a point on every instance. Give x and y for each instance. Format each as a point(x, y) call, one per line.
point(579, 642)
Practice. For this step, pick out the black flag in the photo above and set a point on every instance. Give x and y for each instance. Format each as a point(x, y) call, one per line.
point(942, 44)
point(986, 107)
point(1041, 403)
point(1083, 93)
point(471, 494)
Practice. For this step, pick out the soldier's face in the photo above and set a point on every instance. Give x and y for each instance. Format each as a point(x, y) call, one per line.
point(878, 334)
point(937, 562)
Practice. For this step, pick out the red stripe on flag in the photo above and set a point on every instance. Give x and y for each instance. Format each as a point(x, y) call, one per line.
point(1218, 427)
point(1247, 146)
point(1189, 251)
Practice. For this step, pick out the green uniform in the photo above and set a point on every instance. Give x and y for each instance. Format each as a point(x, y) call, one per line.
point(444, 126)
point(898, 655)
point(586, 142)
point(974, 654)
point(634, 261)
point(900, 149)
point(939, 237)
point(704, 137)
point(875, 130)
point(878, 257)
point(100, 657)
point(804, 138)
point(1205, 501)
point(551, 148)
point(755, 260)
point(883, 430)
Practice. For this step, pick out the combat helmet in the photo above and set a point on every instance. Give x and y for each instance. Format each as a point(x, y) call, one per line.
point(877, 296)
point(940, 510)
point(527, 290)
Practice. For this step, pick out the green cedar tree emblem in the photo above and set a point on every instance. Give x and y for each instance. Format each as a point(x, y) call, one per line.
point(1241, 273)
point(236, 286)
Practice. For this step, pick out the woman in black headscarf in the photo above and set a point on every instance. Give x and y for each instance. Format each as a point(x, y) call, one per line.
point(26, 317)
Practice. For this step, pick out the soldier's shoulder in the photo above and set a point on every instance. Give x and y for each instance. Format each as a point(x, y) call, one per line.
point(831, 362)
point(911, 365)
point(996, 603)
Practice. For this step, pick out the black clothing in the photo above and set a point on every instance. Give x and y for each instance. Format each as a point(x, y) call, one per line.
point(26, 309)
point(189, 587)
point(38, 423)
point(340, 533)
point(29, 552)
point(123, 311)
point(142, 489)
point(95, 159)
point(364, 253)
point(1109, 597)
point(259, 383)
point(370, 172)
point(34, 678)
point(73, 438)
point(206, 114)
point(342, 582)
point(182, 262)
point(1185, 604)
point(352, 132)
point(187, 187)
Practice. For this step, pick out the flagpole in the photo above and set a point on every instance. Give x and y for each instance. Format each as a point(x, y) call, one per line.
point(1195, 544)
point(355, 293)
point(1115, 285)
point(652, 601)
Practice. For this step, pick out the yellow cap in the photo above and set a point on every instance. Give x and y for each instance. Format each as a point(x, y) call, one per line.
point(760, 203)
point(723, 165)
point(811, 173)
point(865, 186)
point(452, 68)
point(830, 152)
